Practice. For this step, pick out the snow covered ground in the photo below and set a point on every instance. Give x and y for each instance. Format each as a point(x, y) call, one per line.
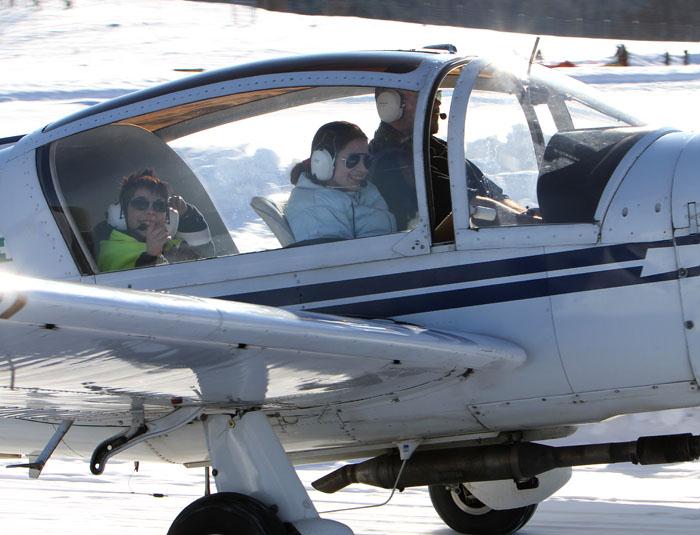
point(607, 501)
point(55, 61)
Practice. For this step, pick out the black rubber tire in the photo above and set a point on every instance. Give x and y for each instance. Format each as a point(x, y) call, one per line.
point(484, 520)
point(227, 513)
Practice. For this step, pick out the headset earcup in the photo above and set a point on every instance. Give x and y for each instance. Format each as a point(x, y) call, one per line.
point(389, 105)
point(116, 218)
point(322, 165)
point(172, 222)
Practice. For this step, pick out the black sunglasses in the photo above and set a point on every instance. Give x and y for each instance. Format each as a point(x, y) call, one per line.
point(142, 204)
point(353, 159)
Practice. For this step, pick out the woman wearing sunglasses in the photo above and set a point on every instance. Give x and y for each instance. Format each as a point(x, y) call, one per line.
point(150, 227)
point(331, 199)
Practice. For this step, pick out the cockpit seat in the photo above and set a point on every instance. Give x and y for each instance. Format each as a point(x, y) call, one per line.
point(577, 165)
point(272, 214)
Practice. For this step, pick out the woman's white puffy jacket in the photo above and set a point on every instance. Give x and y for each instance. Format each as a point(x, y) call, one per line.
point(316, 212)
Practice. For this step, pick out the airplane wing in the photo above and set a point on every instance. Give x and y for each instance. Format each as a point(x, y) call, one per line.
point(73, 349)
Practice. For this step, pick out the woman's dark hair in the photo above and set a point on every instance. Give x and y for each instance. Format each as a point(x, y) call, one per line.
point(146, 179)
point(332, 137)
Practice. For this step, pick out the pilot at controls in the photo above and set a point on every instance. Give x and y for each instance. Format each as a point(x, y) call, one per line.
point(392, 148)
point(332, 199)
point(150, 226)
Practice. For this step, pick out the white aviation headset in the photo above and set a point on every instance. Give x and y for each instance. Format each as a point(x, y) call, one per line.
point(322, 165)
point(117, 219)
point(390, 105)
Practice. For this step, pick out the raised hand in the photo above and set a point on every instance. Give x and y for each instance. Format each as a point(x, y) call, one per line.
point(156, 237)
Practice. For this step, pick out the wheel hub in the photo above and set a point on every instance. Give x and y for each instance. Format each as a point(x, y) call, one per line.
point(467, 502)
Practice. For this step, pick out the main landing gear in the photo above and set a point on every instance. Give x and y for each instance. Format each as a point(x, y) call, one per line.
point(229, 513)
point(460, 510)
point(259, 490)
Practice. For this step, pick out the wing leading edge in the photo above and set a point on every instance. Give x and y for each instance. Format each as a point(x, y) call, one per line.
point(83, 342)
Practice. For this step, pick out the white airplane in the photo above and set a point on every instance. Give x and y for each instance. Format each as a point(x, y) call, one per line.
point(439, 352)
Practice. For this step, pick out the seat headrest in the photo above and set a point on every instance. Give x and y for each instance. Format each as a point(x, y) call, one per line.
point(273, 216)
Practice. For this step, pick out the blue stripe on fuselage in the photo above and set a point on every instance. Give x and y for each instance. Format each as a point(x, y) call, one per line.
point(495, 293)
point(465, 273)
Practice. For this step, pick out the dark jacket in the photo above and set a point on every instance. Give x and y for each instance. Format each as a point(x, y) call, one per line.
point(392, 173)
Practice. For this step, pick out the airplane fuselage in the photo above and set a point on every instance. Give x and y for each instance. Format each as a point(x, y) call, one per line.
point(605, 309)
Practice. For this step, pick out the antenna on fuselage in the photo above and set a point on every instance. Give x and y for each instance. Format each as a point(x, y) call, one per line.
point(532, 55)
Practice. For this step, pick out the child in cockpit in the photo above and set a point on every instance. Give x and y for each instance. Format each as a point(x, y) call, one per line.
point(149, 227)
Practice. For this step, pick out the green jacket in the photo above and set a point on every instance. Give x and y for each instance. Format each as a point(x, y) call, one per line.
point(122, 251)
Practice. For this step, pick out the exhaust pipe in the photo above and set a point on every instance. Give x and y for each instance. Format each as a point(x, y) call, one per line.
point(520, 462)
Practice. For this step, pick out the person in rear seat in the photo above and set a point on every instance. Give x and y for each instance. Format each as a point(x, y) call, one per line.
point(149, 226)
